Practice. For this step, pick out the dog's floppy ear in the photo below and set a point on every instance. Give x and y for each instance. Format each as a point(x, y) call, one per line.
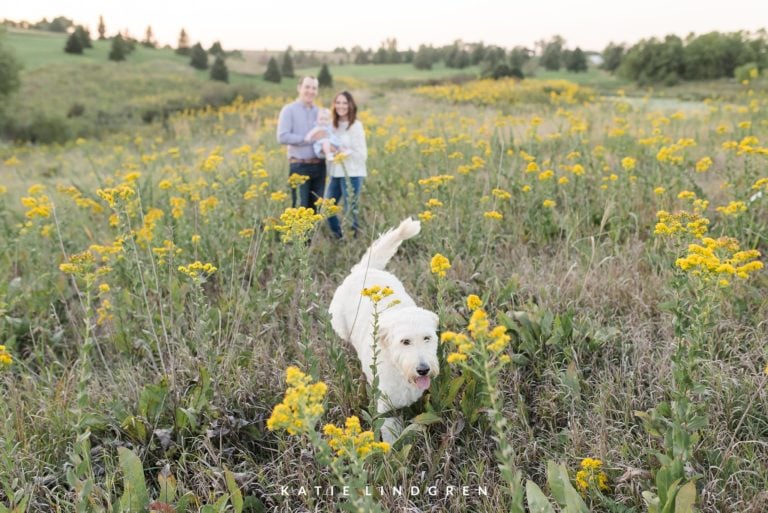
point(384, 337)
point(435, 319)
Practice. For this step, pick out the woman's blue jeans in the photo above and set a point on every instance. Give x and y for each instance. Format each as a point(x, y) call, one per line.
point(338, 188)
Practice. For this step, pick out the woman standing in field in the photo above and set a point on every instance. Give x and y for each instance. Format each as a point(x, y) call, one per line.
point(348, 168)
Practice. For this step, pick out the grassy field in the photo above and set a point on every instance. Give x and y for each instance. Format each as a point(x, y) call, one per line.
point(384, 72)
point(602, 307)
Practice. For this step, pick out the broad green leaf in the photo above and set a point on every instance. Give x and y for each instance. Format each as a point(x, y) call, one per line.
point(167, 488)
point(426, 419)
point(151, 401)
point(652, 501)
point(135, 496)
point(453, 390)
point(686, 498)
point(565, 494)
point(220, 505)
point(234, 492)
point(537, 501)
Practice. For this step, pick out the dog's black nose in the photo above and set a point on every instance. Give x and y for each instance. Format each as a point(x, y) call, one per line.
point(422, 369)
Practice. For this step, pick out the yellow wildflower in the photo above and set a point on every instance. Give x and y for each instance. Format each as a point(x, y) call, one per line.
point(302, 405)
point(440, 265)
point(474, 302)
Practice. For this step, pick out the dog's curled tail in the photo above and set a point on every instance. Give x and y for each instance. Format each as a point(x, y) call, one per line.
point(385, 247)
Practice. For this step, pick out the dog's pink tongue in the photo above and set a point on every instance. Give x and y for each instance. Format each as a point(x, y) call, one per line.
point(422, 382)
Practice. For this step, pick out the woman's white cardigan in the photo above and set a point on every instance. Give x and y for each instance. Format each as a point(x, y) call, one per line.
point(353, 140)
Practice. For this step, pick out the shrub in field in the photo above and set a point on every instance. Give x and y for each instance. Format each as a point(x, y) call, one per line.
point(9, 72)
point(74, 44)
point(198, 58)
point(286, 69)
point(272, 74)
point(324, 77)
point(219, 70)
point(119, 49)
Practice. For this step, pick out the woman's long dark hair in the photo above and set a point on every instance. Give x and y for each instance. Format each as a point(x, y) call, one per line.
point(351, 114)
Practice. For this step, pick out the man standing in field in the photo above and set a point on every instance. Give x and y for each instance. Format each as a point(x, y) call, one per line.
point(296, 120)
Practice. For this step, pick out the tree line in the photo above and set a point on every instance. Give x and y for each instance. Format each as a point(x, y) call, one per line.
point(697, 57)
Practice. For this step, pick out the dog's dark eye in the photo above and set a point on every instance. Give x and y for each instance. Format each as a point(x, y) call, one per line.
point(427, 338)
point(405, 342)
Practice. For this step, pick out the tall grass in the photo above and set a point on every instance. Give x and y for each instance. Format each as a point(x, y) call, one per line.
point(183, 371)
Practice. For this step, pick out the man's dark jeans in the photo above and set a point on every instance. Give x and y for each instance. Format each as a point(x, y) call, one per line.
point(307, 194)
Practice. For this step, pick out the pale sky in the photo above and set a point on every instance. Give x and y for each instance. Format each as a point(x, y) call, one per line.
point(325, 25)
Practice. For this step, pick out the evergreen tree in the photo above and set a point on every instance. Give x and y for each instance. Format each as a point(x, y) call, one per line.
point(149, 38)
point(287, 68)
point(273, 72)
point(183, 47)
point(324, 78)
point(84, 35)
point(380, 57)
point(424, 58)
point(612, 57)
point(576, 61)
point(551, 55)
point(118, 50)
point(73, 44)
point(198, 57)
point(102, 29)
point(219, 70)
point(216, 49)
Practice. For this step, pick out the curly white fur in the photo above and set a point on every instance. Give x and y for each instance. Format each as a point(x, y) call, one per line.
point(407, 334)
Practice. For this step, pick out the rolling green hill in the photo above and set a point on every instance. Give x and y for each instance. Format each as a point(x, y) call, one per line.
point(64, 96)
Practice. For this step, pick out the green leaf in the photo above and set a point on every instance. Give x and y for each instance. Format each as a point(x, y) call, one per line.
point(234, 492)
point(453, 390)
point(135, 496)
point(537, 501)
point(186, 418)
point(555, 482)
point(668, 505)
point(565, 494)
point(135, 427)
point(426, 419)
point(220, 506)
point(686, 498)
point(167, 488)
point(151, 401)
point(254, 505)
point(652, 501)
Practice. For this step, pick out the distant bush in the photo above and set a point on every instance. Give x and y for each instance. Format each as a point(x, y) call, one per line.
point(119, 49)
point(84, 35)
point(746, 71)
point(74, 44)
point(76, 110)
point(273, 72)
point(198, 57)
point(219, 70)
point(286, 69)
point(425, 57)
point(9, 72)
point(41, 129)
point(324, 78)
point(503, 70)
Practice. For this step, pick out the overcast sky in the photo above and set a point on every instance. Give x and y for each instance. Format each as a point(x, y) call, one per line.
point(325, 25)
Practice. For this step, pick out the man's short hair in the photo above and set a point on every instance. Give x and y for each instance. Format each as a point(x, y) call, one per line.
point(301, 79)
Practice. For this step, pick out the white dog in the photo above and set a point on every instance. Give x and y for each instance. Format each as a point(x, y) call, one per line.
point(407, 338)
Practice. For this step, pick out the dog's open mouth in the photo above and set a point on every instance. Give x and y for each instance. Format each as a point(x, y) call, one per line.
point(422, 382)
